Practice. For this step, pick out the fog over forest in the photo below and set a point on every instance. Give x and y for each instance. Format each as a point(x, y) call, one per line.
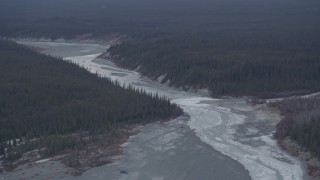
point(232, 48)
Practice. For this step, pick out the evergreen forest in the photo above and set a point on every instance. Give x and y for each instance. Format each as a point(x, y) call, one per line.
point(260, 48)
point(301, 122)
point(45, 101)
point(248, 47)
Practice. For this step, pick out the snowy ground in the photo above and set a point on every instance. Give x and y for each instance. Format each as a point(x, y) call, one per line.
point(171, 151)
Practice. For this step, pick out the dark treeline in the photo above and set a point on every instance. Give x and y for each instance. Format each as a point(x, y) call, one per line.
point(232, 47)
point(248, 47)
point(42, 96)
point(264, 48)
point(301, 122)
point(244, 70)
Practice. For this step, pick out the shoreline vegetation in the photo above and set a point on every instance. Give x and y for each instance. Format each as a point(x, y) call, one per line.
point(234, 48)
point(298, 132)
point(265, 49)
point(288, 107)
point(266, 86)
point(53, 108)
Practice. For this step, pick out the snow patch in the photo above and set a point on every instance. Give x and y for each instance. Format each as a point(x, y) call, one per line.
point(161, 78)
point(43, 160)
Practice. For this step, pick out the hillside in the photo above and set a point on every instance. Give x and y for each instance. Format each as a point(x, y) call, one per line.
point(267, 71)
point(249, 47)
point(52, 105)
point(253, 48)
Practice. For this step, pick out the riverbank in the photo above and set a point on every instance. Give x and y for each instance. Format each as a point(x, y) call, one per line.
point(73, 163)
point(82, 119)
point(311, 162)
point(221, 125)
point(70, 162)
point(298, 130)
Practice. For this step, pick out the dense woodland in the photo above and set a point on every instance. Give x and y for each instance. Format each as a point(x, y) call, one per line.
point(301, 122)
point(232, 47)
point(52, 100)
point(248, 47)
point(237, 71)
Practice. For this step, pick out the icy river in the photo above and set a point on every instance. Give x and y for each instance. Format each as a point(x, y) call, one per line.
point(222, 139)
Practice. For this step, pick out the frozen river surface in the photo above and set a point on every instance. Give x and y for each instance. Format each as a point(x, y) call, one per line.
point(216, 138)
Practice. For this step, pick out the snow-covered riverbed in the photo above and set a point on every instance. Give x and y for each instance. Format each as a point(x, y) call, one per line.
point(171, 150)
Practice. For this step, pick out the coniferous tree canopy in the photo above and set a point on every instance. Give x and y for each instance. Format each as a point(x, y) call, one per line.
point(301, 122)
point(42, 96)
point(266, 71)
point(231, 47)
